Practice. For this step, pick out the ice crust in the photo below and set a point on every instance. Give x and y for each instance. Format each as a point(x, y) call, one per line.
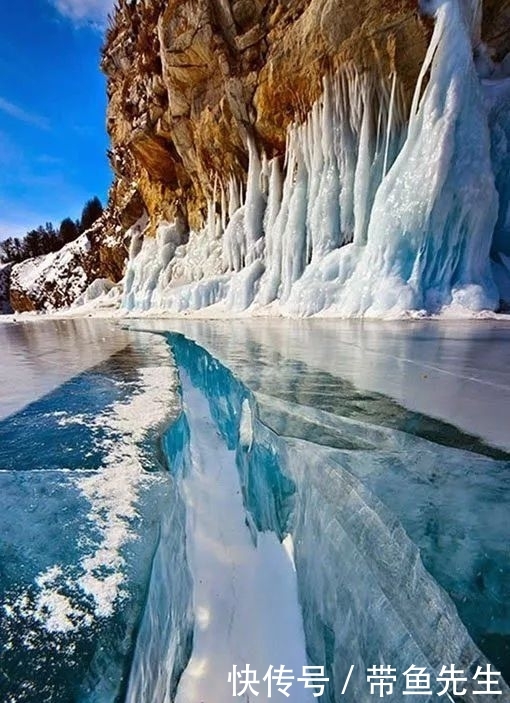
point(282, 534)
point(374, 213)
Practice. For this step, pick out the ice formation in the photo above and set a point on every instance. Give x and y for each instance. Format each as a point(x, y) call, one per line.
point(375, 211)
point(252, 495)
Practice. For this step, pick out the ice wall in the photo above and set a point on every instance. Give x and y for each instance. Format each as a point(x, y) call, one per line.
point(497, 96)
point(375, 211)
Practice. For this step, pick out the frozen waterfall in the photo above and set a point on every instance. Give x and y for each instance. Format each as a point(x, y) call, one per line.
point(376, 211)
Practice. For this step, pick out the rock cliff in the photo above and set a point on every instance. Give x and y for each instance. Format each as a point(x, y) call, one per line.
point(189, 81)
point(193, 83)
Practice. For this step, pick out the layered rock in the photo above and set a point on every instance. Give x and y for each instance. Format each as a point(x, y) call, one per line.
point(189, 81)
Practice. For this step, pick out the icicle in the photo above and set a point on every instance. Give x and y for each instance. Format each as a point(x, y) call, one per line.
point(277, 219)
point(234, 201)
point(324, 219)
point(363, 168)
point(294, 229)
point(273, 203)
point(389, 127)
point(223, 209)
point(211, 218)
point(428, 243)
point(254, 205)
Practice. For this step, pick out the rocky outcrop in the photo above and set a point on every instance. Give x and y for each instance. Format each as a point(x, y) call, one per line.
point(189, 81)
point(54, 280)
point(58, 279)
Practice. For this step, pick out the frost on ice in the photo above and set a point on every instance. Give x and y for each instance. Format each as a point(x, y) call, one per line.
point(375, 211)
point(72, 597)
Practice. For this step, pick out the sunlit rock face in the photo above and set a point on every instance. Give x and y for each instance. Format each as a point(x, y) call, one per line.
point(188, 82)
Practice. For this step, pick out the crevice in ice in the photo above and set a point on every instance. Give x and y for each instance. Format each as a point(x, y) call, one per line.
point(243, 590)
point(364, 592)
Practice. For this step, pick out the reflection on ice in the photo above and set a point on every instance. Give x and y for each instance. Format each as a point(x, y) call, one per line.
point(455, 372)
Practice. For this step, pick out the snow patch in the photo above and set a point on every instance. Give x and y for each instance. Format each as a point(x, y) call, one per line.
point(70, 599)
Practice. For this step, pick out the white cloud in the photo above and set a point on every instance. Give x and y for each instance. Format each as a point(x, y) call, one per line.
point(20, 114)
point(85, 10)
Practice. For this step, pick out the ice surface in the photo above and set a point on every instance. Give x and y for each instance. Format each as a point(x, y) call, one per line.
point(451, 503)
point(374, 213)
point(82, 498)
point(361, 519)
point(456, 372)
point(165, 635)
point(335, 525)
point(38, 356)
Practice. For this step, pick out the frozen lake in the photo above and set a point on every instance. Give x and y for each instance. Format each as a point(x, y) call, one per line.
point(179, 497)
point(457, 372)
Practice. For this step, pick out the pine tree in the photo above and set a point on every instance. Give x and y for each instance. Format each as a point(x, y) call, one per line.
point(91, 212)
point(68, 230)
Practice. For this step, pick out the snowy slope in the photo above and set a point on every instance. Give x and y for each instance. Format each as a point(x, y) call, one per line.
point(57, 279)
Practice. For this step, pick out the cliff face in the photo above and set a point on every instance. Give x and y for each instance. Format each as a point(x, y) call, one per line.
point(190, 80)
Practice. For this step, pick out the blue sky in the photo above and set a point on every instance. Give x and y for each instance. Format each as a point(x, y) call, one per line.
point(52, 111)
